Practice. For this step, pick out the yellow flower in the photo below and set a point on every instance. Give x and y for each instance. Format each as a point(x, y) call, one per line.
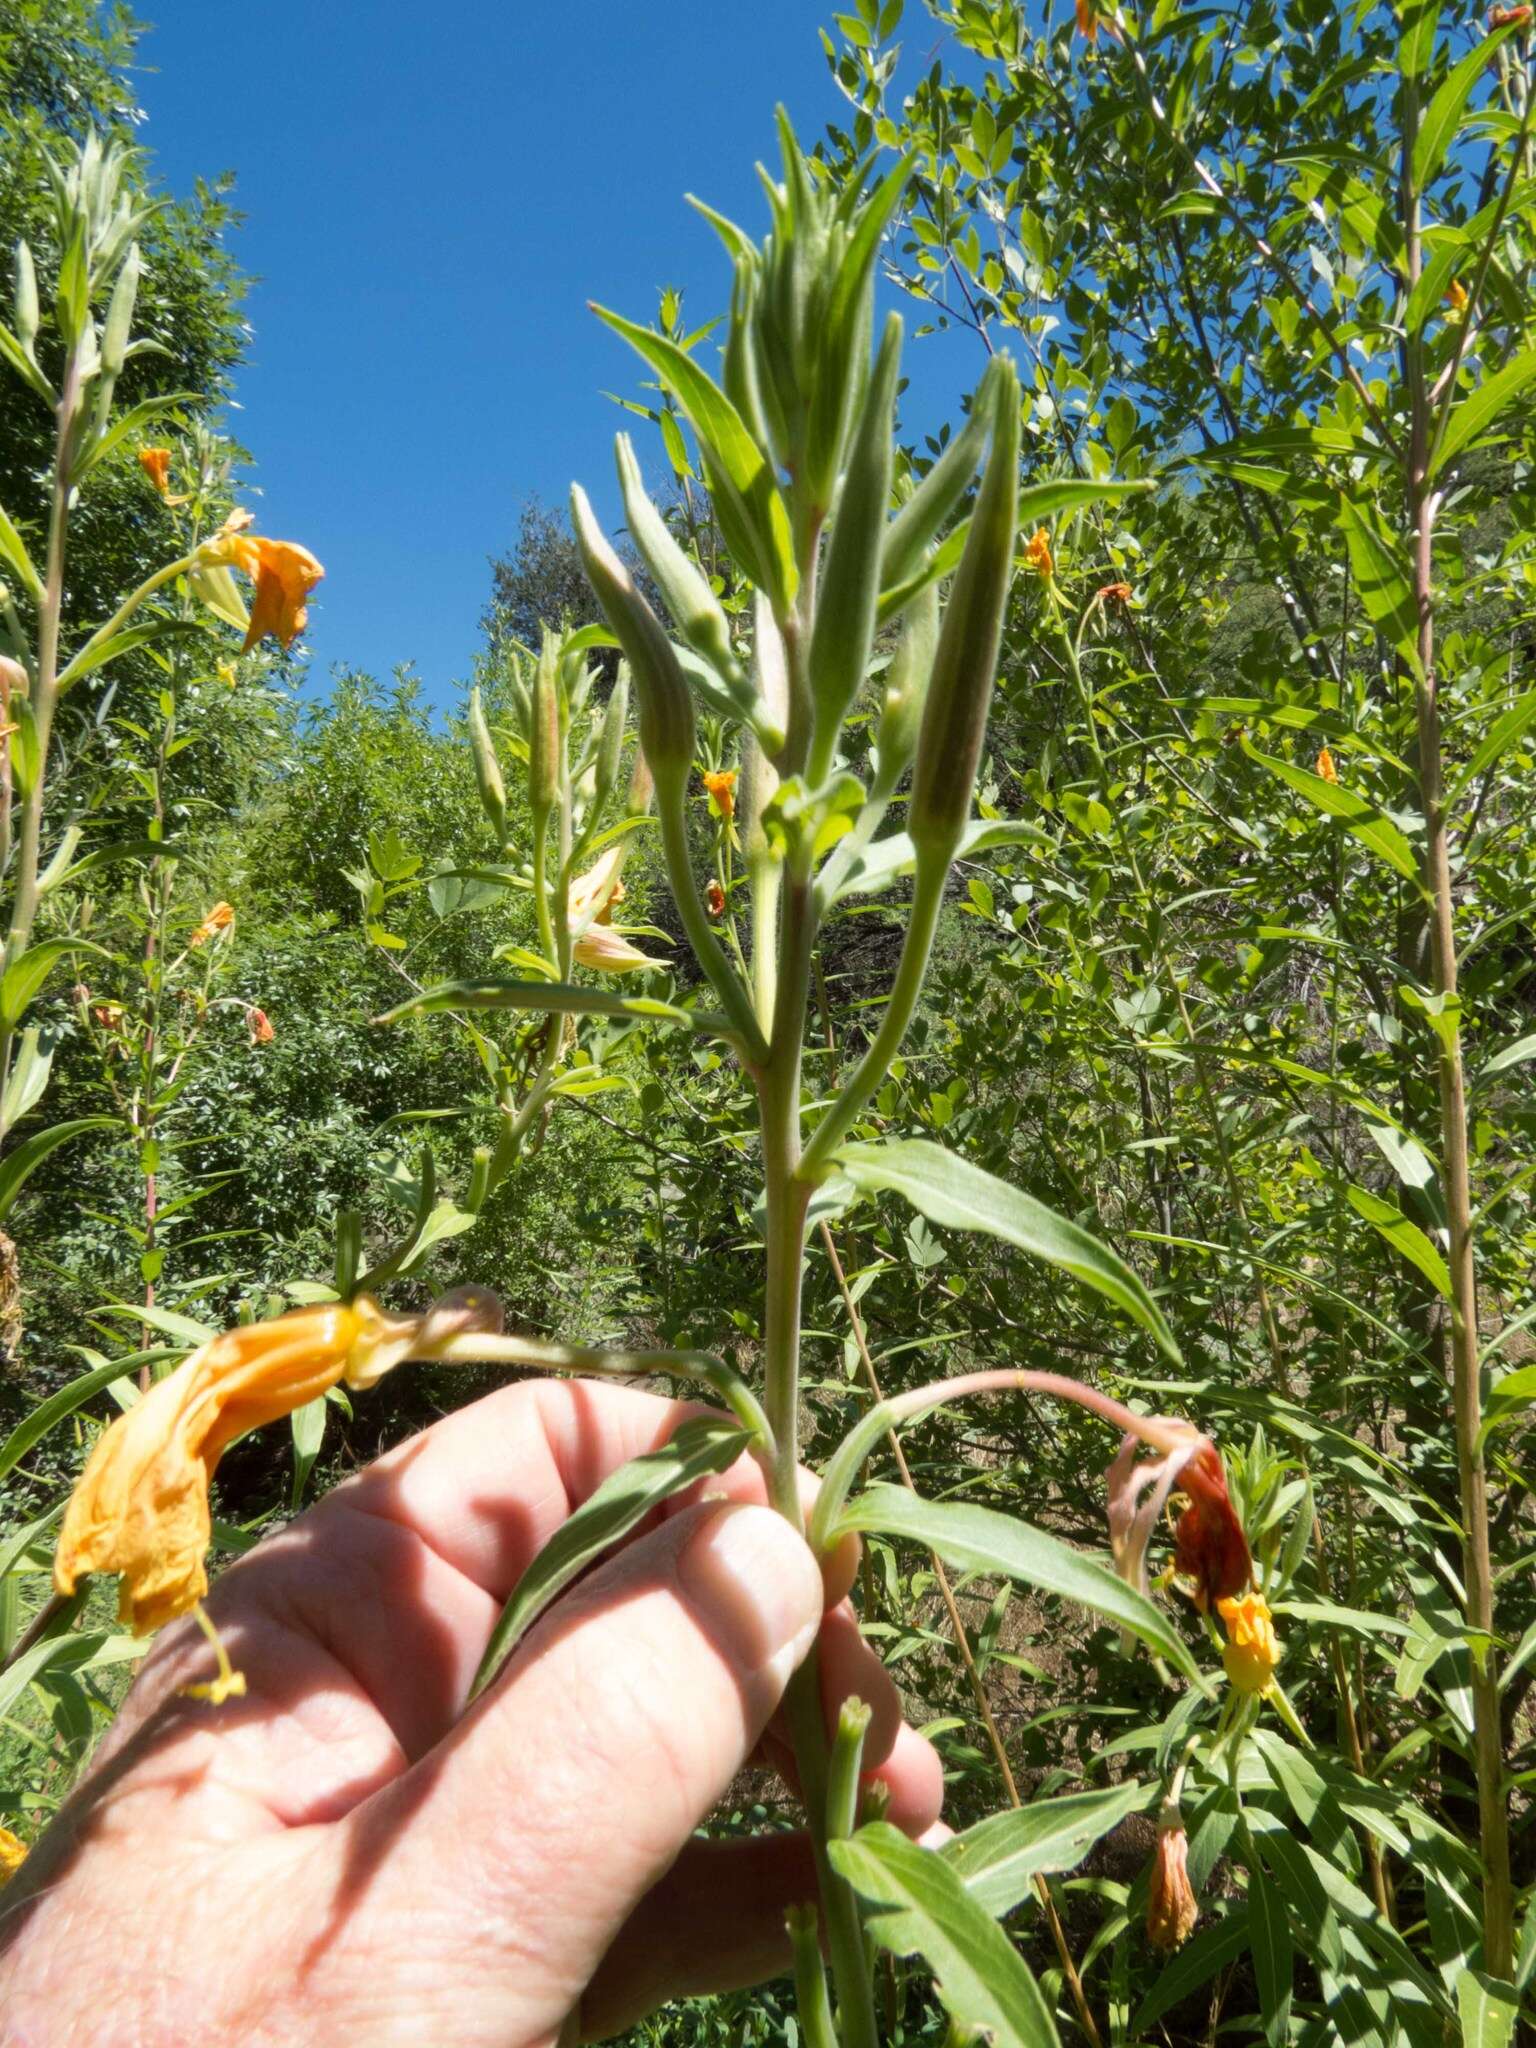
point(600, 946)
point(156, 465)
point(141, 1505)
point(592, 896)
point(219, 919)
point(1325, 766)
point(13, 1853)
point(1037, 555)
point(722, 790)
point(1171, 1906)
point(1251, 1651)
point(1456, 298)
point(283, 572)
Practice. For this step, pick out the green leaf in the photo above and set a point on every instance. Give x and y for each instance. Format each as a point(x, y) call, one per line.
point(981, 1540)
point(747, 500)
point(1405, 1237)
point(1488, 2010)
point(1419, 18)
point(998, 1859)
point(878, 866)
point(704, 1445)
point(561, 996)
point(1510, 725)
point(920, 1907)
point(1382, 579)
point(96, 655)
point(34, 1427)
point(1195, 1964)
point(13, 550)
point(184, 1329)
point(1273, 1962)
point(390, 857)
point(1482, 406)
point(308, 1427)
point(950, 1191)
point(1442, 117)
point(28, 1079)
point(1363, 820)
point(13, 352)
point(129, 424)
point(26, 974)
point(1509, 1056)
point(1071, 494)
point(21, 1163)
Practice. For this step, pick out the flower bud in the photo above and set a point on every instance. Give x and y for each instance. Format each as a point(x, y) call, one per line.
point(544, 727)
point(25, 303)
point(119, 321)
point(610, 745)
point(697, 616)
point(664, 705)
point(1252, 1649)
point(906, 690)
point(493, 791)
point(965, 662)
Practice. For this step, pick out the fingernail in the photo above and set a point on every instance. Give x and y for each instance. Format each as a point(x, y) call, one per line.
point(758, 1589)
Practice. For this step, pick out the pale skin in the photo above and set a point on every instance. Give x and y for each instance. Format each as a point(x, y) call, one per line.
point(346, 1855)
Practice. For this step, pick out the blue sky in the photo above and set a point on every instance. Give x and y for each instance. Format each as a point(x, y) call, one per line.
point(432, 194)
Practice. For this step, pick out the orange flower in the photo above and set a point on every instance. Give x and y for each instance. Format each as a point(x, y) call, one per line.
point(259, 1025)
point(108, 1016)
point(156, 465)
point(1208, 1541)
point(1325, 766)
point(141, 1505)
point(219, 919)
point(1090, 20)
point(714, 898)
point(722, 790)
point(283, 572)
point(1507, 17)
point(1171, 1907)
point(1037, 555)
point(1252, 1649)
point(1456, 298)
point(1116, 593)
point(13, 1853)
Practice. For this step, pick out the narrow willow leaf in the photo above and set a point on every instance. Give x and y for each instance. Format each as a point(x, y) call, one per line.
point(1511, 724)
point(702, 1446)
point(98, 655)
point(1488, 2010)
point(1382, 579)
point(13, 550)
point(1482, 406)
point(1405, 1237)
point(549, 995)
point(1273, 1962)
point(1420, 19)
point(28, 1156)
point(1195, 1964)
point(1358, 817)
point(34, 1427)
point(124, 428)
point(999, 1858)
point(981, 1540)
point(1442, 117)
point(308, 1427)
point(952, 1192)
point(878, 866)
point(921, 1908)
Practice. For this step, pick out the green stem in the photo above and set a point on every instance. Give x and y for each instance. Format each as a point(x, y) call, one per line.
point(811, 2000)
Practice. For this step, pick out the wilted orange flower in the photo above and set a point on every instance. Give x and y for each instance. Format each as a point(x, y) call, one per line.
point(714, 898)
point(141, 1505)
point(1116, 593)
point(1037, 555)
point(1171, 1907)
point(1209, 1546)
point(156, 465)
point(1507, 17)
point(284, 574)
point(1456, 298)
point(1325, 765)
point(108, 1016)
point(13, 1853)
point(219, 919)
point(259, 1025)
point(721, 785)
point(1090, 20)
point(1252, 1649)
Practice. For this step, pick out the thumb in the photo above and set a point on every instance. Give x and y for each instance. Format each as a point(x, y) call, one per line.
point(523, 1842)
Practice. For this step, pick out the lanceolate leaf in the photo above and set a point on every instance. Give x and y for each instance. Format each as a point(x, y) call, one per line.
point(1404, 1237)
point(1362, 819)
point(952, 1192)
point(21, 1163)
point(13, 551)
point(1273, 1963)
point(981, 1540)
point(1381, 577)
point(1195, 1964)
point(998, 1859)
point(703, 1446)
point(550, 995)
point(1437, 130)
point(1483, 404)
point(1510, 725)
point(34, 1427)
point(921, 1908)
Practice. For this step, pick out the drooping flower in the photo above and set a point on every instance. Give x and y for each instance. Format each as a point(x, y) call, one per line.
point(1172, 1909)
point(141, 1505)
point(1325, 765)
point(1252, 1649)
point(591, 896)
point(721, 785)
point(1091, 19)
point(1507, 17)
point(259, 1025)
point(1116, 593)
point(219, 919)
point(1037, 553)
point(13, 1853)
point(107, 1016)
point(600, 946)
point(156, 465)
point(1456, 298)
point(1209, 1547)
point(714, 897)
point(284, 574)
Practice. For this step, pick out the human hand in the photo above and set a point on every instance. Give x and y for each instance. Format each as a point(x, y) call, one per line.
point(346, 1855)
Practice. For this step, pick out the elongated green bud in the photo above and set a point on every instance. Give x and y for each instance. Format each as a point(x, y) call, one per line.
point(850, 585)
point(697, 617)
point(906, 690)
point(493, 791)
point(119, 322)
point(661, 694)
point(544, 727)
point(610, 745)
point(926, 512)
point(25, 304)
point(965, 663)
